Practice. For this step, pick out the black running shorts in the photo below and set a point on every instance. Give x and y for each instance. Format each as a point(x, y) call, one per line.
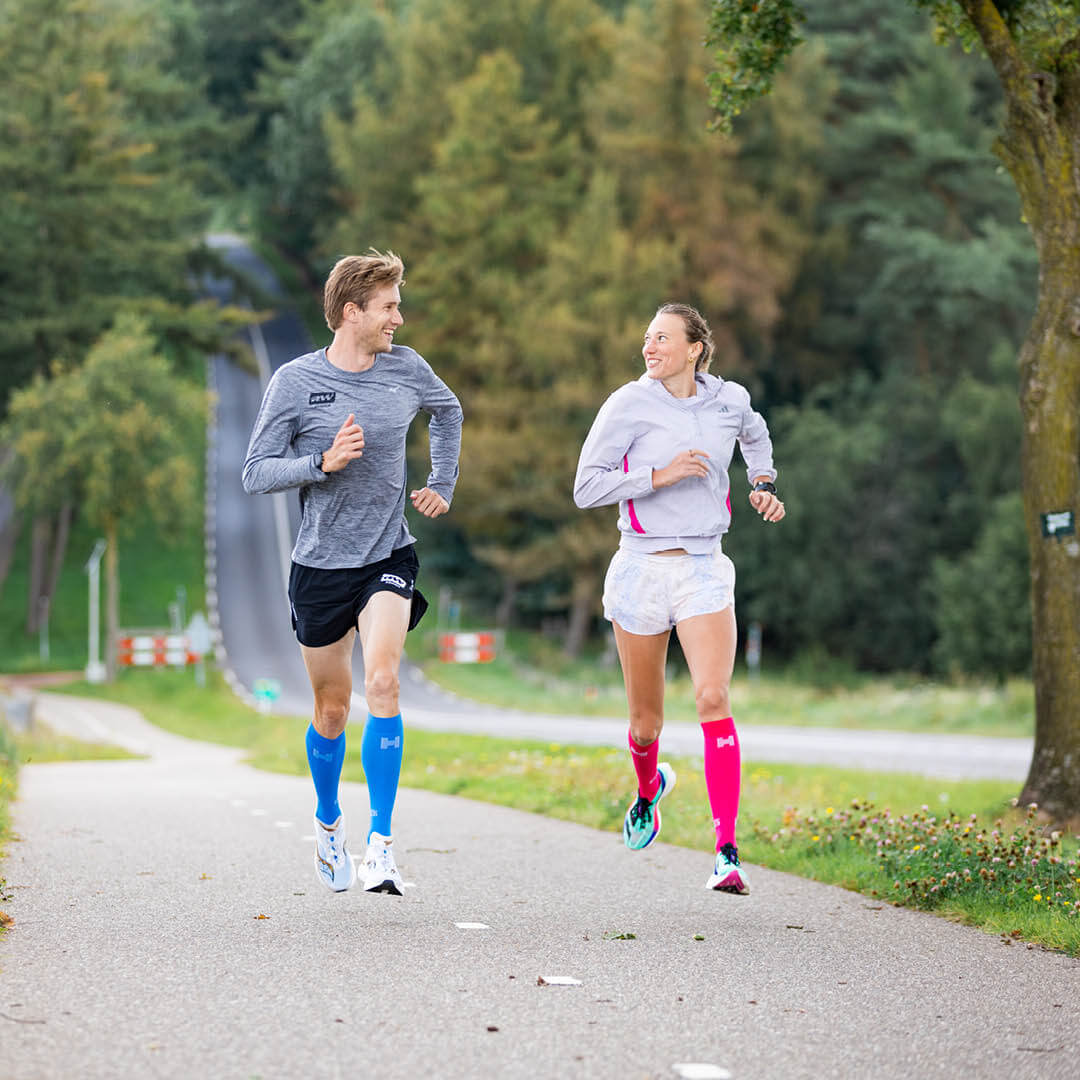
point(326, 603)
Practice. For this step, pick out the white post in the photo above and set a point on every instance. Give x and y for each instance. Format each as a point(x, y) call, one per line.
point(95, 669)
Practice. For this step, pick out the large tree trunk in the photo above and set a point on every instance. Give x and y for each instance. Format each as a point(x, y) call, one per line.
point(1040, 146)
point(112, 603)
point(1050, 400)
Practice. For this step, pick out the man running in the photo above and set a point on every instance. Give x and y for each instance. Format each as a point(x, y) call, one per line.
point(333, 423)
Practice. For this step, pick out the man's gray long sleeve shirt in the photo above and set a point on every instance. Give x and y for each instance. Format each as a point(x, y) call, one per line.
point(355, 516)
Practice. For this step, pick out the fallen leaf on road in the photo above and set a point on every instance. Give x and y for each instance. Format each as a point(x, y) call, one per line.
point(6, 920)
point(205, 877)
point(262, 916)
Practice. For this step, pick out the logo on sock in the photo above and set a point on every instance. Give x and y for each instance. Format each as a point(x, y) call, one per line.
point(725, 741)
point(638, 753)
point(387, 744)
point(322, 757)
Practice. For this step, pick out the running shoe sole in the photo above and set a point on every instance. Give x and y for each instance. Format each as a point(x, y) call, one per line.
point(731, 882)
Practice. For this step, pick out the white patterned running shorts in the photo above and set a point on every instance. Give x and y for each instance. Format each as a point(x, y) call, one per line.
point(648, 594)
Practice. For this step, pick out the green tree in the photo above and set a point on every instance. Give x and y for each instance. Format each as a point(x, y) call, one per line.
point(864, 468)
point(737, 254)
point(102, 206)
point(104, 435)
point(1034, 49)
point(983, 599)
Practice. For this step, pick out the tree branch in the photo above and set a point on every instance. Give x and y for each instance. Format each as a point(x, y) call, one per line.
point(1002, 49)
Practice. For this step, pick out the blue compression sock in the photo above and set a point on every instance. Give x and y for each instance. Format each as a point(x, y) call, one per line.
point(380, 754)
point(324, 759)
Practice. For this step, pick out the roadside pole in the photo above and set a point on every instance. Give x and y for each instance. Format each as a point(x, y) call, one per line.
point(95, 669)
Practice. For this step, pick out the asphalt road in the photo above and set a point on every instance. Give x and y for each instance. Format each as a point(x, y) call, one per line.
point(168, 924)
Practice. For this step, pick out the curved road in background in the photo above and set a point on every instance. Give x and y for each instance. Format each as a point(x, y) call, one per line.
point(248, 543)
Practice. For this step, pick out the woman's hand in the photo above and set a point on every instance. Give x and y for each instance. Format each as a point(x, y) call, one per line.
point(688, 463)
point(767, 505)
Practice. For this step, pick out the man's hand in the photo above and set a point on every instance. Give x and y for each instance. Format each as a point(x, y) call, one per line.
point(348, 445)
point(688, 463)
point(430, 503)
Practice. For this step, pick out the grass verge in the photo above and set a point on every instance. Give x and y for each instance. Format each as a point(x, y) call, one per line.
point(550, 683)
point(898, 838)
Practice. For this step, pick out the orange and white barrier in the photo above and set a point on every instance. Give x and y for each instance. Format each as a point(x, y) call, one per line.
point(154, 650)
point(467, 648)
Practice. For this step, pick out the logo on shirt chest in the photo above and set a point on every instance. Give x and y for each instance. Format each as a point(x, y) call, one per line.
point(322, 397)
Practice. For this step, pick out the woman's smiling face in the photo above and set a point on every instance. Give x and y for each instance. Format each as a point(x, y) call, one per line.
point(667, 351)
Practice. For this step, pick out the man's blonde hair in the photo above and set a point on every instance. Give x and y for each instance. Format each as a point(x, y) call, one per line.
point(355, 278)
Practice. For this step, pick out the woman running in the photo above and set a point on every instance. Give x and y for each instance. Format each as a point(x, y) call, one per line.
point(660, 447)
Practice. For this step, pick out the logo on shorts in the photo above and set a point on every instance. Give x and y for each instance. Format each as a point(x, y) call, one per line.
point(722, 742)
point(393, 579)
point(388, 744)
point(322, 397)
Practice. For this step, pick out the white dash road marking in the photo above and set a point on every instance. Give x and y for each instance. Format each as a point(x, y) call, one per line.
point(239, 802)
point(472, 926)
point(282, 824)
point(558, 980)
point(258, 813)
point(700, 1070)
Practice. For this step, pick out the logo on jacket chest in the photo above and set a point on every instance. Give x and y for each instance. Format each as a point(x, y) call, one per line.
point(322, 397)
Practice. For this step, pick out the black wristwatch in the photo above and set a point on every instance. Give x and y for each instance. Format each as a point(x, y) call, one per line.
point(316, 459)
point(765, 485)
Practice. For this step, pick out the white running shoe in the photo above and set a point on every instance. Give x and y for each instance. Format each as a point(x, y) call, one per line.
point(380, 871)
point(333, 863)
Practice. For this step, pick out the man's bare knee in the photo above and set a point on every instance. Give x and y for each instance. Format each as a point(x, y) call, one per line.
point(331, 716)
point(381, 686)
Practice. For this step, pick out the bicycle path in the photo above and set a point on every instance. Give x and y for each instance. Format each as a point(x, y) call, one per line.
point(168, 924)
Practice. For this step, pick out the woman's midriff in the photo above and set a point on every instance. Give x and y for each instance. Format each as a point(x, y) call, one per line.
point(671, 551)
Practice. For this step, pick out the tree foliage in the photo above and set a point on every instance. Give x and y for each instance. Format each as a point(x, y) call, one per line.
point(104, 435)
point(101, 151)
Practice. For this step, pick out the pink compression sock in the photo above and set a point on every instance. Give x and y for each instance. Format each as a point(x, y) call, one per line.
point(645, 758)
point(722, 771)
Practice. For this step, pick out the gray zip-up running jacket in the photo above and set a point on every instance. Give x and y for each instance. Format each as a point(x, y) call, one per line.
point(641, 427)
point(355, 516)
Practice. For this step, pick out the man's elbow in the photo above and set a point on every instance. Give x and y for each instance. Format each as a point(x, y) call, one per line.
point(250, 481)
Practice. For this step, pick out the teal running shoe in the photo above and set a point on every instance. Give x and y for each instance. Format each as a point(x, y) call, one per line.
point(728, 875)
point(641, 825)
